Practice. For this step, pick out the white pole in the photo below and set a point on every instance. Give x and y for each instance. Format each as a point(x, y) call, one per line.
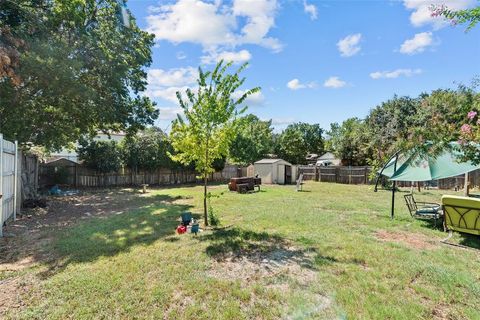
point(1, 185)
point(15, 183)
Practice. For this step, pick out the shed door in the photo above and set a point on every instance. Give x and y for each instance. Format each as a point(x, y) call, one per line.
point(288, 174)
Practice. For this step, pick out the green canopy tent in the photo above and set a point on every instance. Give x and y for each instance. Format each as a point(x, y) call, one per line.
point(410, 166)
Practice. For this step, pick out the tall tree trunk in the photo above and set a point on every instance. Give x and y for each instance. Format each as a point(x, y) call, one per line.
point(205, 213)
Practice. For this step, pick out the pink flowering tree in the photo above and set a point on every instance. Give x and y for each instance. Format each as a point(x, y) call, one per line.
point(468, 16)
point(470, 137)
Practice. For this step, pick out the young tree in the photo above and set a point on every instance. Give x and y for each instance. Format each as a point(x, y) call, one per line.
point(253, 140)
point(207, 129)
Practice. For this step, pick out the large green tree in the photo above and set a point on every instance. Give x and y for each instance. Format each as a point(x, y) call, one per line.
point(205, 133)
point(101, 156)
point(392, 124)
point(78, 68)
point(253, 140)
point(298, 140)
point(349, 141)
point(147, 150)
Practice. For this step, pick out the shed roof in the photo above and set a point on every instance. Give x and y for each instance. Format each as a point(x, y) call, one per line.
point(270, 161)
point(60, 160)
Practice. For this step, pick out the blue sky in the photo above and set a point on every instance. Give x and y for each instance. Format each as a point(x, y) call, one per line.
point(316, 61)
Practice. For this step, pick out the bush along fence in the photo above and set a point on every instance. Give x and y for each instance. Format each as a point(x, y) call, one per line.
point(66, 172)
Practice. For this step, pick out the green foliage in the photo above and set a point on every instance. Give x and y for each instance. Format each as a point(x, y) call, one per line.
point(210, 114)
point(79, 70)
point(390, 125)
point(467, 16)
point(147, 150)
point(349, 141)
point(102, 156)
point(253, 140)
point(298, 140)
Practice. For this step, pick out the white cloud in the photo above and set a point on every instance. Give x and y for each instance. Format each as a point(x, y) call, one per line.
point(235, 56)
point(166, 93)
point(395, 73)
point(172, 77)
point(417, 44)
point(169, 113)
point(295, 84)
point(213, 24)
point(422, 13)
point(349, 46)
point(334, 82)
point(310, 9)
point(165, 83)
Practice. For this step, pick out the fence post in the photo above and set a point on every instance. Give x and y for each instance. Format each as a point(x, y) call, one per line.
point(1, 185)
point(15, 182)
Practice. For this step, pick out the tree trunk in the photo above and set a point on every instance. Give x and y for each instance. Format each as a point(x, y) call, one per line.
point(205, 213)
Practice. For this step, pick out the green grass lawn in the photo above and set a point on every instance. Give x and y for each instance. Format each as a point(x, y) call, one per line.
point(331, 251)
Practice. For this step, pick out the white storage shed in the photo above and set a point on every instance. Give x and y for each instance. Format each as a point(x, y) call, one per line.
point(275, 171)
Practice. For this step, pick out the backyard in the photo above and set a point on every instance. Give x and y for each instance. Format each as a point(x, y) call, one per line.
point(328, 252)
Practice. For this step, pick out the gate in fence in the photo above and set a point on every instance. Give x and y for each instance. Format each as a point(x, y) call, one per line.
point(8, 181)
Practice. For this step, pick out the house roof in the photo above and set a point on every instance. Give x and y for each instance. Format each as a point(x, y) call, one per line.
point(327, 156)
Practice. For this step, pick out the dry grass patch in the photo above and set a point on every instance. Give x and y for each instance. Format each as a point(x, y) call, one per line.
point(412, 240)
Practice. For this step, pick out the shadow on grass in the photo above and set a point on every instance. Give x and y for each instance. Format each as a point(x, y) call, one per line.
point(236, 244)
point(470, 240)
point(108, 236)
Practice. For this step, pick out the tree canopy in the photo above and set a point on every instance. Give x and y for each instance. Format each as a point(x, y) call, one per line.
point(70, 68)
point(102, 156)
point(253, 140)
point(147, 150)
point(349, 141)
point(298, 140)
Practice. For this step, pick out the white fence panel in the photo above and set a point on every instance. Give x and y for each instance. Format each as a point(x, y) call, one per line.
point(8, 181)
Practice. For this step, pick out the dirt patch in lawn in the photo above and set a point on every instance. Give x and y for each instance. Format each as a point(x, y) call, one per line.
point(277, 263)
point(411, 240)
point(12, 291)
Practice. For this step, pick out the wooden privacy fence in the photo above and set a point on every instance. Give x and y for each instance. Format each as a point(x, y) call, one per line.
point(361, 175)
point(346, 175)
point(66, 172)
point(8, 181)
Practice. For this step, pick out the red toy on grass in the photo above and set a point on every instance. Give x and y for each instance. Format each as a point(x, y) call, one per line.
point(181, 229)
